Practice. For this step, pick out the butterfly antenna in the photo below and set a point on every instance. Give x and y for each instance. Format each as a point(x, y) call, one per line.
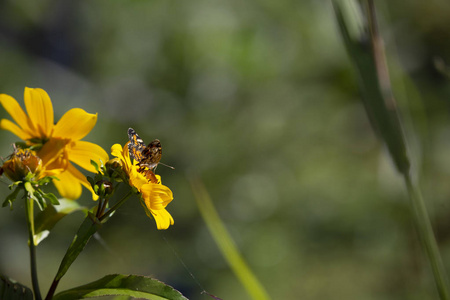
point(167, 166)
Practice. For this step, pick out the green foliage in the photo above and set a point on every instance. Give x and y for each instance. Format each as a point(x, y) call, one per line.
point(102, 183)
point(51, 215)
point(127, 285)
point(11, 197)
point(95, 165)
point(89, 226)
point(11, 290)
point(33, 190)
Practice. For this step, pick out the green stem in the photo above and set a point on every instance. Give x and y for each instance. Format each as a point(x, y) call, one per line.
point(100, 207)
point(116, 206)
point(52, 289)
point(427, 238)
point(29, 208)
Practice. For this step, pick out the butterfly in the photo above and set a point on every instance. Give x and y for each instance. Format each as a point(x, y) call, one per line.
point(145, 155)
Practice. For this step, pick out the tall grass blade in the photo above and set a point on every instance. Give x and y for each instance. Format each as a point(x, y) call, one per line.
point(368, 56)
point(225, 242)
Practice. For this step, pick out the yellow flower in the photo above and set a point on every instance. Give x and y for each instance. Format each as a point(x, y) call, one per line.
point(56, 145)
point(154, 195)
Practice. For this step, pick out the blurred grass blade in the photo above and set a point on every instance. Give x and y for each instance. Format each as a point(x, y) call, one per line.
point(225, 242)
point(140, 287)
point(11, 290)
point(375, 88)
point(368, 56)
point(428, 240)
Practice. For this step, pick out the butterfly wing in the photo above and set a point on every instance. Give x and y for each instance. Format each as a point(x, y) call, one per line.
point(151, 155)
point(136, 145)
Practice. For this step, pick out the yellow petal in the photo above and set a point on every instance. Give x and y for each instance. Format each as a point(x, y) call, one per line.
point(126, 156)
point(40, 110)
point(68, 186)
point(156, 196)
point(50, 172)
point(16, 112)
point(116, 150)
point(82, 179)
point(82, 152)
point(53, 151)
point(136, 179)
point(163, 194)
point(10, 126)
point(163, 219)
point(75, 124)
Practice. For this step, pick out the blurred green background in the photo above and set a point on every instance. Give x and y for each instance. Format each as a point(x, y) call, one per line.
point(260, 100)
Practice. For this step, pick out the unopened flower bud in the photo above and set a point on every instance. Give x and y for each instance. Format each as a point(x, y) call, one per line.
point(104, 187)
point(114, 169)
point(22, 163)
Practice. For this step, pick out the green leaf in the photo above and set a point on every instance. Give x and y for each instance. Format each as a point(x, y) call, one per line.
point(47, 219)
point(94, 164)
point(84, 234)
point(21, 145)
point(39, 237)
point(46, 180)
point(37, 196)
point(11, 197)
point(52, 198)
point(123, 285)
point(11, 290)
point(122, 298)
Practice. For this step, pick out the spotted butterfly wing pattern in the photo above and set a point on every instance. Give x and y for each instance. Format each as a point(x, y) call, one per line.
point(146, 156)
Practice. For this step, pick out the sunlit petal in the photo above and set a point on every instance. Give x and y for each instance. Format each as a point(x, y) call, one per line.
point(75, 124)
point(82, 153)
point(52, 151)
point(156, 196)
point(57, 165)
point(136, 179)
point(68, 186)
point(13, 108)
point(126, 156)
point(51, 172)
point(163, 194)
point(163, 219)
point(40, 110)
point(10, 126)
point(82, 179)
point(116, 150)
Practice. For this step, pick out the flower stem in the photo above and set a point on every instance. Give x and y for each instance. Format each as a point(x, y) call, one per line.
point(426, 235)
point(116, 206)
point(29, 208)
point(100, 207)
point(52, 289)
